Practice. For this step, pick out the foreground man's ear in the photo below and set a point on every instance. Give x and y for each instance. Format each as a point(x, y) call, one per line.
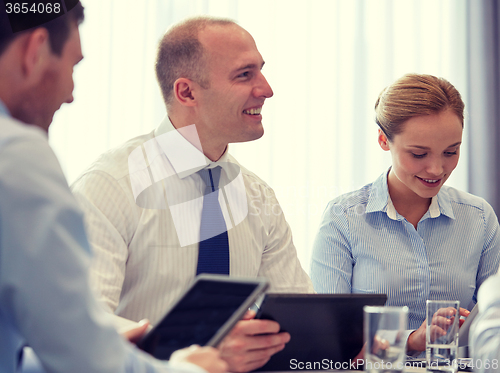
point(36, 54)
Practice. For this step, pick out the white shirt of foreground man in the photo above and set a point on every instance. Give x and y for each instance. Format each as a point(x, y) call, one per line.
point(45, 300)
point(484, 337)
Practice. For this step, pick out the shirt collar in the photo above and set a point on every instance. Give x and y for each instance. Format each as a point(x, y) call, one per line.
point(380, 200)
point(3, 109)
point(185, 158)
point(443, 203)
point(432, 212)
point(379, 195)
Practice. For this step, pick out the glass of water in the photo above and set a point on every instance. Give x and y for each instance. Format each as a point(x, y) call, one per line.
point(384, 330)
point(442, 335)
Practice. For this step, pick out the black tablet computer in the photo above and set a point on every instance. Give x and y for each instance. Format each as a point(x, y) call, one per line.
point(463, 333)
point(203, 315)
point(326, 329)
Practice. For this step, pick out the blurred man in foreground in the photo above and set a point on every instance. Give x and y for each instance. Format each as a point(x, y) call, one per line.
point(45, 301)
point(484, 337)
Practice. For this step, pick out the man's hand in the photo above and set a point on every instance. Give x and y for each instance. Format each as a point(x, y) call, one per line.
point(251, 343)
point(207, 358)
point(440, 323)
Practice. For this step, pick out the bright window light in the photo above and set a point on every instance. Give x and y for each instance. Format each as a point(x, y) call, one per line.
point(326, 60)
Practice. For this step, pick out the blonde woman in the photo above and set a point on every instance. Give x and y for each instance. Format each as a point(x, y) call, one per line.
point(406, 234)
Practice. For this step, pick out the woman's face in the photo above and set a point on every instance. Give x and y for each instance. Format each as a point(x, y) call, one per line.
point(424, 154)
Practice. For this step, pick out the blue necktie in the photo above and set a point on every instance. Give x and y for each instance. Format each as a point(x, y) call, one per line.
point(213, 256)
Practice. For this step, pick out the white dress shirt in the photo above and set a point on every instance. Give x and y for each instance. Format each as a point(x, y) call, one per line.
point(484, 336)
point(143, 202)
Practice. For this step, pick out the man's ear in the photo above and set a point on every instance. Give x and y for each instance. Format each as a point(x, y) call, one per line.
point(36, 54)
point(183, 91)
point(382, 140)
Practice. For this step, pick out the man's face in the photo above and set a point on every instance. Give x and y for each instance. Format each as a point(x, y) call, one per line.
point(56, 85)
point(229, 110)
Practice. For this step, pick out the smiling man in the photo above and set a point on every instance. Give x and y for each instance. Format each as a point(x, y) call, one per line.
point(150, 219)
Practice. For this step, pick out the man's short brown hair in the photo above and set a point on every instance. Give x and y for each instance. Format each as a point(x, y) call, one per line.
point(181, 54)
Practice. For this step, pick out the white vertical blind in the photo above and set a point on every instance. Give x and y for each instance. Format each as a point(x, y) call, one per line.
point(327, 61)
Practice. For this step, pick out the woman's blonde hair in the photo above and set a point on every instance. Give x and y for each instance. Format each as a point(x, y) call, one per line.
point(414, 95)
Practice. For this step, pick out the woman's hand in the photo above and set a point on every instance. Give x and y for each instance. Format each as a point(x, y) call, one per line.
point(441, 321)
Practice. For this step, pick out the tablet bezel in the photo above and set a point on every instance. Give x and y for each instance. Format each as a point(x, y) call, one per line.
point(261, 286)
point(284, 308)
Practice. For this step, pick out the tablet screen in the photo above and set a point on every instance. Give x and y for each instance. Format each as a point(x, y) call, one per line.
point(324, 328)
point(203, 315)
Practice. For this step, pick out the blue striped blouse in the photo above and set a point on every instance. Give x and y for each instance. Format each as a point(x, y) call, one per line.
point(365, 246)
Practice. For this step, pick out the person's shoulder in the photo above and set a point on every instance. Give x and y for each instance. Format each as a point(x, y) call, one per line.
point(26, 147)
point(460, 197)
point(27, 160)
point(115, 161)
point(14, 130)
point(248, 175)
point(353, 199)
point(254, 185)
